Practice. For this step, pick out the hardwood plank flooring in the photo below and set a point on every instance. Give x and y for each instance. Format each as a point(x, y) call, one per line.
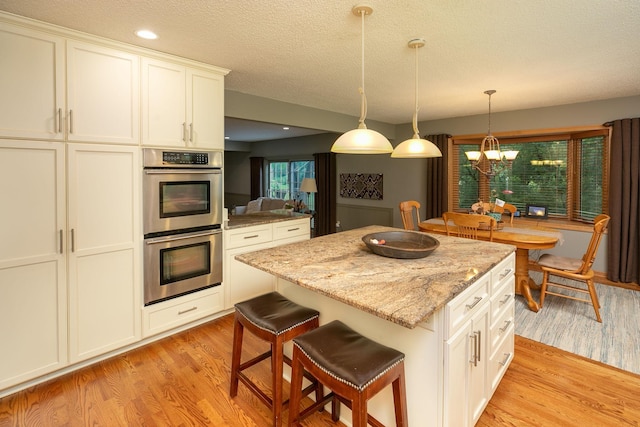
point(183, 380)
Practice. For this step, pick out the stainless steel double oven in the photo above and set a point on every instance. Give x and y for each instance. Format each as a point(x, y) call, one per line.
point(182, 222)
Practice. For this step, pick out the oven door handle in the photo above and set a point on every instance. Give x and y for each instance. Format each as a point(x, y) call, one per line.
point(181, 171)
point(173, 238)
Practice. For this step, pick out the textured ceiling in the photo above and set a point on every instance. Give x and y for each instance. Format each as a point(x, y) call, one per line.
point(534, 53)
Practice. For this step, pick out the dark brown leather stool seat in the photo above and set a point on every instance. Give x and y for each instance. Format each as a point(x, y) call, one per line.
point(354, 367)
point(275, 319)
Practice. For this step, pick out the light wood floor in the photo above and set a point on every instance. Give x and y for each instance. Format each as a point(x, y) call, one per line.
point(183, 380)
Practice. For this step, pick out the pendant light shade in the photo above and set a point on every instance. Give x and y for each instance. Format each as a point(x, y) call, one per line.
point(416, 147)
point(362, 140)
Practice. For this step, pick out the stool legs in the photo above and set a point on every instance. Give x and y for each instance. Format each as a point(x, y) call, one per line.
point(356, 400)
point(238, 332)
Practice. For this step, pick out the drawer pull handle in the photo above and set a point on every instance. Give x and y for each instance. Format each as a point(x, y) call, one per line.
point(188, 310)
point(474, 303)
point(506, 326)
point(293, 229)
point(507, 356)
point(506, 299)
point(253, 236)
point(506, 273)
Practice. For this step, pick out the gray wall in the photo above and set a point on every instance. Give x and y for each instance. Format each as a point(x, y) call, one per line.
point(404, 178)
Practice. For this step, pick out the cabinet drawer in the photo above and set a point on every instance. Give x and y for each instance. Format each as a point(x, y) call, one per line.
point(502, 326)
point(249, 236)
point(502, 298)
point(503, 271)
point(287, 229)
point(500, 361)
point(179, 311)
point(466, 304)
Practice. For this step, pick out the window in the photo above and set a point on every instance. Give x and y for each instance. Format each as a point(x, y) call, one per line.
point(285, 177)
point(567, 173)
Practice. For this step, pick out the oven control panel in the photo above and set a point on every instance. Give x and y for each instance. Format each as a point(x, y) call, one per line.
point(158, 158)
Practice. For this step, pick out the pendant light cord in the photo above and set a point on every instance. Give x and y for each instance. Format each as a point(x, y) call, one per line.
point(416, 132)
point(363, 103)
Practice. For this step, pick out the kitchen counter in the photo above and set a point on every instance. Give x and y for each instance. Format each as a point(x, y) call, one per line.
point(263, 217)
point(403, 291)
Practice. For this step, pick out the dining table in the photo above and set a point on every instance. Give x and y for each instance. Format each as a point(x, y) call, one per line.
point(523, 238)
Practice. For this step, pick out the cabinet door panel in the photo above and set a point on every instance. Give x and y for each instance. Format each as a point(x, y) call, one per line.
point(243, 281)
point(104, 273)
point(102, 196)
point(33, 313)
point(205, 109)
point(32, 191)
point(32, 84)
point(163, 103)
point(103, 94)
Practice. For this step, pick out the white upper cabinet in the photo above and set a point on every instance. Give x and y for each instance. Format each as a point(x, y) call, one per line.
point(181, 106)
point(103, 88)
point(32, 84)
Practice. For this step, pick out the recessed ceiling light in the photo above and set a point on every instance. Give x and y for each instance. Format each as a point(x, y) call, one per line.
point(285, 128)
point(226, 137)
point(146, 34)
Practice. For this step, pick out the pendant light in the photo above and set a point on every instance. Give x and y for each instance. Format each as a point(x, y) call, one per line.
point(416, 147)
point(490, 149)
point(362, 140)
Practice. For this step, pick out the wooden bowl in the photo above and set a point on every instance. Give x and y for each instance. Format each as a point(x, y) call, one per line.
point(401, 244)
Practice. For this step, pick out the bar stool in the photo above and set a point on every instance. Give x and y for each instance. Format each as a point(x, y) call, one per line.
point(355, 368)
point(275, 319)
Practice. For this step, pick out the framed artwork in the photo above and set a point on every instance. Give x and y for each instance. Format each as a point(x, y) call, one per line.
point(361, 185)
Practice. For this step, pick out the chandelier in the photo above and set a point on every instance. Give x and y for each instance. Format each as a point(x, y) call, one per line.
point(490, 149)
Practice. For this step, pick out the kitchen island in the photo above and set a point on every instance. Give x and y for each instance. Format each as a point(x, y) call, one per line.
point(451, 313)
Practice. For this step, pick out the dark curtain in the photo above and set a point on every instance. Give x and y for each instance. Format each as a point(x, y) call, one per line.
point(326, 180)
point(437, 179)
point(257, 176)
point(624, 202)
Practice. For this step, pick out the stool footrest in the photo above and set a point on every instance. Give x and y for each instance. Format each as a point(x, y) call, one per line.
point(255, 361)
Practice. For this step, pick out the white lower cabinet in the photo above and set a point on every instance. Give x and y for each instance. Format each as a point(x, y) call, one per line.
point(179, 311)
point(242, 281)
point(478, 346)
point(33, 287)
point(69, 277)
point(103, 248)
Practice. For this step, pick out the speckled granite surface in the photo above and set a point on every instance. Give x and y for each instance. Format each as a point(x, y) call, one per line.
point(403, 291)
point(264, 217)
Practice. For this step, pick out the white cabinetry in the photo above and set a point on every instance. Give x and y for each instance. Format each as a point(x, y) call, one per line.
point(182, 106)
point(242, 281)
point(32, 83)
point(33, 291)
point(104, 257)
point(179, 311)
point(103, 98)
point(478, 347)
point(97, 237)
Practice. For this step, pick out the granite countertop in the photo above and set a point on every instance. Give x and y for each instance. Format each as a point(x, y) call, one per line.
point(263, 217)
point(403, 291)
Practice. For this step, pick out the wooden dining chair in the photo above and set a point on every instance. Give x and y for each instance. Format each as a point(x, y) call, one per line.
point(575, 269)
point(407, 209)
point(509, 208)
point(467, 225)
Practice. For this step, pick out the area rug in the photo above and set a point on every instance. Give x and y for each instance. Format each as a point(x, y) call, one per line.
point(572, 326)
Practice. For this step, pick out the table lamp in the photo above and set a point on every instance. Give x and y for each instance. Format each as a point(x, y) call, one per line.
point(308, 185)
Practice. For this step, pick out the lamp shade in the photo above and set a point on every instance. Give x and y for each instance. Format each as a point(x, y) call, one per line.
point(416, 148)
point(362, 141)
point(308, 185)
